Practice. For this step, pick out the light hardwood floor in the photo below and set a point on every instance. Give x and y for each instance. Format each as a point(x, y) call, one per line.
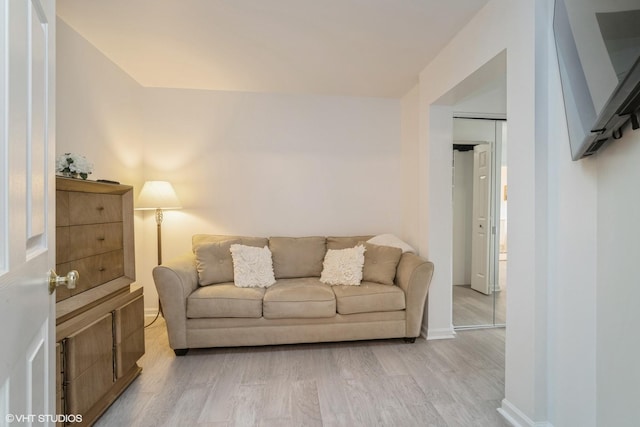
point(458, 382)
point(474, 308)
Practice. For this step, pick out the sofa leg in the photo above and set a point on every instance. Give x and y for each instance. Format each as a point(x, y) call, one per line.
point(409, 340)
point(180, 351)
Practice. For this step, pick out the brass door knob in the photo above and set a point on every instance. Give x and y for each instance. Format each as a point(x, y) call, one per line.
point(69, 280)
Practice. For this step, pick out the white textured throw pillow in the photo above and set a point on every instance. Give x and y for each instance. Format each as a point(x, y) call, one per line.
point(391, 240)
point(343, 266)
point(252, 267)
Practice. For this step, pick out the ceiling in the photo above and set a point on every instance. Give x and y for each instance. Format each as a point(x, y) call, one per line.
point(373, 48)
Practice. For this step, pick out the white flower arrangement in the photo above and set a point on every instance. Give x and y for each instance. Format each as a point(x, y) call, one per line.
point(71, 164)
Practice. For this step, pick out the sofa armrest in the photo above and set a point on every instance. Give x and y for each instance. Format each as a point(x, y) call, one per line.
point(175, 281)
point(414, 277)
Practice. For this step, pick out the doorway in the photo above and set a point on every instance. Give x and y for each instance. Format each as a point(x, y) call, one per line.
point(479, 222)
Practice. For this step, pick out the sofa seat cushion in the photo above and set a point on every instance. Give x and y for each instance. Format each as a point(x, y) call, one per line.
point(368, 297)
point(299, 298)
point(225, 300)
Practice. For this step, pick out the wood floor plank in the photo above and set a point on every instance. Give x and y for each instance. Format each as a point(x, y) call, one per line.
point(458, 382)
point(305, 404)
point(434, 389)
point(249, 399)
point(356, 361)
point(125, 410)
point(291, 404)
point(159, 409)
point(220, 402)
point(278, 400)
point(389, 358)
point(332, 399)
point(186, 410)
point(423, 415)
point(471, 307)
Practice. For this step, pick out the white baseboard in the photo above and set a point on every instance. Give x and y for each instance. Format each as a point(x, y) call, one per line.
point(494, 116)
point(150, 312)
point(438, 334)
point(517, 418)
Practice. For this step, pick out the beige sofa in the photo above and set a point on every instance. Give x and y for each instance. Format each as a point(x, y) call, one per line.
point(298, 308)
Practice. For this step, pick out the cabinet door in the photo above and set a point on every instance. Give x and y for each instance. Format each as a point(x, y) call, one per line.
point(89, 365)
point(129, 335)
point(59, 382)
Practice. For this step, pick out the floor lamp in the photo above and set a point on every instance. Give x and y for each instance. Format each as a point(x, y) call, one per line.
point(158, 196)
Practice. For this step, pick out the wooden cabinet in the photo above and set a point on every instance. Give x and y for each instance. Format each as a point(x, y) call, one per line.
point(128, 335)
point(88, 370)
point(100, 323)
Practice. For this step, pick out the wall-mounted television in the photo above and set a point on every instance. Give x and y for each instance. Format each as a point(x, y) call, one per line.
point(598, 46)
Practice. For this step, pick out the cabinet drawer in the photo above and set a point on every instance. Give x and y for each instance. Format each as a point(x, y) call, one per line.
point(89, 364)
point(62, 292)
point(87, 240)
point(63, 245)
point(94, 208)
point(94, 270)
point(62, 208)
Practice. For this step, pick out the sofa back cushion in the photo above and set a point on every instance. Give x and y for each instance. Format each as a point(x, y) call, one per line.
point(213, 256)
point(198, 239)
point(297, 256)
point(345, 242)
point(380, 263)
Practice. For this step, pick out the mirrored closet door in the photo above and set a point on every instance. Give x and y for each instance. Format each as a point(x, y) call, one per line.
point(479, 223)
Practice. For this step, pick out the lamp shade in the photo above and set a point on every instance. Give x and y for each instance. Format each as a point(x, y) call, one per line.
point(157, 195)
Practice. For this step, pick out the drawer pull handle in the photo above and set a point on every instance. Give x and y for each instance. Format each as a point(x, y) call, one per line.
point(101, 239)
point(100, 208)
point(101, 269)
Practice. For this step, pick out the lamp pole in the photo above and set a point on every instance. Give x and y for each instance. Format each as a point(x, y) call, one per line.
point(159, 217)
point(158, 195)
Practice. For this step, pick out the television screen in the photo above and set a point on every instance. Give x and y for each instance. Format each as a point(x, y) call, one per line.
point(598, 45)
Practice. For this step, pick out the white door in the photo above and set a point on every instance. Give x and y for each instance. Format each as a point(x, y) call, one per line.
point(480, 233)
point(27, 215)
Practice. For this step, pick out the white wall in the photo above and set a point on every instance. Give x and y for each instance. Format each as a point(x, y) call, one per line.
point(97, 109)
point(573, 237)
point(266, 165)
point(410, 137)
point(98, 115)
point(488, 101)
point(572, 267)
point(241, 163)
point(277, 164)
point(617, 294)
point(512, 26)
point(471, 130)
point(572, 304)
